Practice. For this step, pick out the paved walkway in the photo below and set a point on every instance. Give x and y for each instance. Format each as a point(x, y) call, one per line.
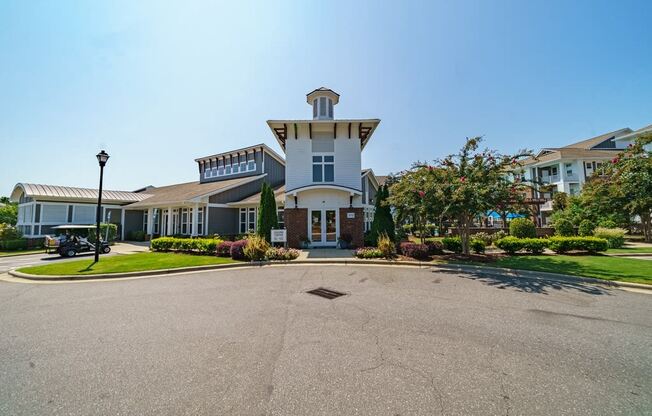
point(326, 253)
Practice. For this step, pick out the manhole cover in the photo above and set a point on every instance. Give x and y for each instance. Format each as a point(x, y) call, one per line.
point(326, 293)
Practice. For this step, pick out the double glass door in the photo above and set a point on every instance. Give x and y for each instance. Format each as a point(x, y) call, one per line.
point(323, 227)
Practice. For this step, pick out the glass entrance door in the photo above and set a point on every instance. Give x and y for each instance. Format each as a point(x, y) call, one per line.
point(323, 227)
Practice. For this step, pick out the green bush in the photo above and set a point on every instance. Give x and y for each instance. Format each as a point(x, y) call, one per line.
point(534, 245)
point(607, 223)
point(564, 227)
point(565, 244)
point(522, 228)
point(510, 244)
point(453, 244)
point(256, 248)
point(9, 232)
point(10, 245)
point(497, 236)
point(478, 246)
point(386, 246)
point(113, 232)
point(586, 228)
point(615, 236)
point(205, 246)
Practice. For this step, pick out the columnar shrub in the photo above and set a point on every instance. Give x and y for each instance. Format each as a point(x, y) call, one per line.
point(565, 244)
point(522, 228)
point(478, 246)
point(223, 249)
point(615, 236)
point(256, 248)
point(385, 245)
point(237, 250)
point(414, 250)
point(453, 244)
point(586, 228)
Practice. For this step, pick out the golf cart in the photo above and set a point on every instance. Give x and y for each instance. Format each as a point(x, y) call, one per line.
point(72, 240)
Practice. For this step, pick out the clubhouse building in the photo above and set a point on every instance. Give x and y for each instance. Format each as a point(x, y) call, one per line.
point(322, 193)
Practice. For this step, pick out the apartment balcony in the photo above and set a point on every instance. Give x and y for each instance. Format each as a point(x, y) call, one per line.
point(549, 178)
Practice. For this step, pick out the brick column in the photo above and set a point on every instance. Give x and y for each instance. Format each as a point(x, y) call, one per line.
point(353, 226)
point(296, 224)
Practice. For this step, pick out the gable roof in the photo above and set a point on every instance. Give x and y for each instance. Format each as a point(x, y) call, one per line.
point(186, 193)
point(279, 196)
point(261, 146)
point(597, 140)
point(71, 193)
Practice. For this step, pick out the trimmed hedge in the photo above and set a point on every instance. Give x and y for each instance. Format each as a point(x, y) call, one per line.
point(512, 245)
point(615, 236)
point(414, 250)
point(11, 245)
point(589, 244)
point(204, 246)
point(453, 244)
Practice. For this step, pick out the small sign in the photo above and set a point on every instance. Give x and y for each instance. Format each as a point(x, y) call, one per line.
point(279, 236)
point(350, 215)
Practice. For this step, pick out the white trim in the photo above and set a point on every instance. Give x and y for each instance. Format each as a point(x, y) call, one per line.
point(323, 243)
point(122, 224)
point(296, 191)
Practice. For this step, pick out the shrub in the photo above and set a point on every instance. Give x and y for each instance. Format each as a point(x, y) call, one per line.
point(385, 245)
point(485, 237)
point(112, 232)
point(497, 236)
point(237, 250)
point(534, 245)
point(9, 245)
point(407, 228)
point(162, 243)
point(607, 223)
point(565, 244)
point(281, 253)
point(510, 244)
point(414, 250)
point(136, 235)
point(563, 227)
point(453, 244)
point(369, 239)
point(522, 228)
point(478, 246)
point(586, 228)
point(9, 232)
point(256, 248)
point(205, 246)
point(435, 247)
point(223, 249)
point(615, 236)
point(368, 253)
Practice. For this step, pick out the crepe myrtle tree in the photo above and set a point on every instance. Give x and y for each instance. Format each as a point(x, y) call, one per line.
point(474, 182)
point(629, 182)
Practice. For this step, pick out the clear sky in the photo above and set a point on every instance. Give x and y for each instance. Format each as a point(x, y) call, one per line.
point(160, 83)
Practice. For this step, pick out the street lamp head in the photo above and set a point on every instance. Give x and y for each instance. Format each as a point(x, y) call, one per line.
point(102, 157)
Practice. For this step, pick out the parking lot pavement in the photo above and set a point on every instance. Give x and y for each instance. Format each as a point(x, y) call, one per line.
point(252, 341)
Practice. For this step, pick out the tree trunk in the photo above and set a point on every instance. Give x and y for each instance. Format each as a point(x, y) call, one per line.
point(646, 220)
point(464, 229)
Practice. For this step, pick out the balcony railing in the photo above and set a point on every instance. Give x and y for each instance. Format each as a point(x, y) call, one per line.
point(574, 177)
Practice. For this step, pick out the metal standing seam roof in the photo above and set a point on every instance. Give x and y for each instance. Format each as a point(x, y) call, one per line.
point(34, 190)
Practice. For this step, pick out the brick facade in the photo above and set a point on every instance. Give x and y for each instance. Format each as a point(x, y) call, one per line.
point(353, 226)
point(296, 224)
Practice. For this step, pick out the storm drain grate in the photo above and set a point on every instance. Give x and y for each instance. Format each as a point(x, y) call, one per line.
point(326, 293)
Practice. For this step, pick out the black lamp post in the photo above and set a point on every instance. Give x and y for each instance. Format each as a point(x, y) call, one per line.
point(102, 157)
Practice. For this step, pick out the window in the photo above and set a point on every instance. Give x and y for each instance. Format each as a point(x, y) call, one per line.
point(588, 165)
point(52, 214)
point(281, 218)
point(235, 168)
point(322, 106)
point(227, 170)
point(200, 221)
point(247, 220)
point(314, 108)
point(184, 221)
point(145, 215)
point(323, 168)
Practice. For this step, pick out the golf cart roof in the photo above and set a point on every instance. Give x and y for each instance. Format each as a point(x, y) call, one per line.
point(73, 227)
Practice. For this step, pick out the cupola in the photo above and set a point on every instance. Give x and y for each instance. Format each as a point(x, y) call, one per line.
point(322, 101)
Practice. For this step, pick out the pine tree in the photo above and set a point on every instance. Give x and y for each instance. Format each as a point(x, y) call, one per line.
point(267, 216)
point(383, 221)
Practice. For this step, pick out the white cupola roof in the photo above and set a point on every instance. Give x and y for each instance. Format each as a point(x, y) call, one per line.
point(322, 101)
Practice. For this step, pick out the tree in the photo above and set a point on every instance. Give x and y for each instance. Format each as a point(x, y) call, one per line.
point(267, 216)
point(8, 212)
point(383, 222)
point(559, 201)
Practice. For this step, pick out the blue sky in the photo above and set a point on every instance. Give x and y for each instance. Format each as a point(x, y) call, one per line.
point(158, 83)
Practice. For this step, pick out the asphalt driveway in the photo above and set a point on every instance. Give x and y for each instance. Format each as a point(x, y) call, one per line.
point(403, 341)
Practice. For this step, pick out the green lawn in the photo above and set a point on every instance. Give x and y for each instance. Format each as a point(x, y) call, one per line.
point(125, 263)
point(20, 252)
point(600, 267)
point(630, 250)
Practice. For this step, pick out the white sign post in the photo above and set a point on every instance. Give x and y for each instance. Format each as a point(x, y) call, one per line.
point(279, 236)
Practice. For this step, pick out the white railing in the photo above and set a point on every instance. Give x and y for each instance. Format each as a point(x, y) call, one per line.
point(549, 178)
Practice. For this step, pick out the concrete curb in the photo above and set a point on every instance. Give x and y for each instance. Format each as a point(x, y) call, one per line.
point(628, 254)
point(344, 262)
point(565, 278)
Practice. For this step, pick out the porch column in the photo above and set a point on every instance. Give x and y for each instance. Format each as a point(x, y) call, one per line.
point(195, 218)
point(150, 221)
point(205, 224)
point(168, 231)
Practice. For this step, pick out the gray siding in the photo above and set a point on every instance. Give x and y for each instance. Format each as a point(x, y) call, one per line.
point(372, 192)
point(223, 221)
point(364, 189)
point(237, 194)
point(275, 171)
point(133, 221)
